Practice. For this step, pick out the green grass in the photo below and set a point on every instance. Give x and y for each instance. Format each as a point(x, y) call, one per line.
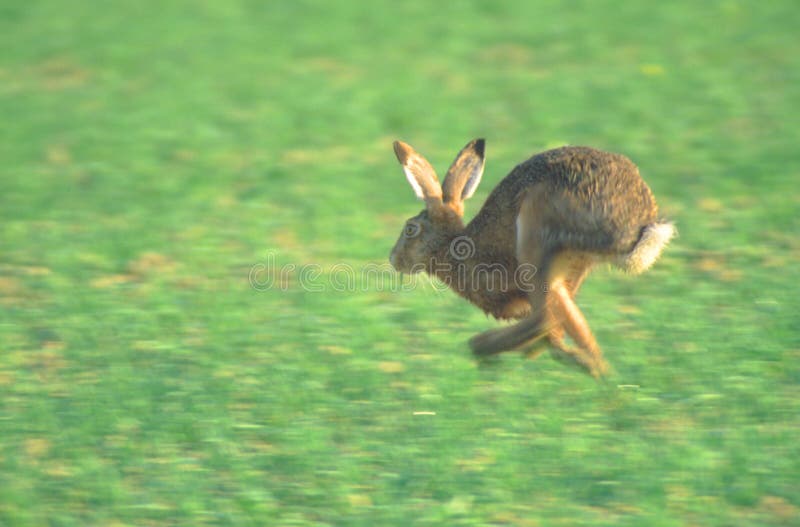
point(152, 154)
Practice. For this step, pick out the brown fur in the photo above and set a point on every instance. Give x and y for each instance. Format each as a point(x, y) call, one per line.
point(560, 213)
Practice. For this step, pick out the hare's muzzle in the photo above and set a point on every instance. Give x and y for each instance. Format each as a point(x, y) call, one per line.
point(401, 264)
point(395, 260)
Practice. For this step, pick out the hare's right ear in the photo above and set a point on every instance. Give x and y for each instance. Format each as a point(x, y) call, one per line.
point(464, 174)
point(420, 174)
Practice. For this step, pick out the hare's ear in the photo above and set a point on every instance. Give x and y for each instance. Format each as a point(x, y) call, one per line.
point(465, 173)
point(420, 173)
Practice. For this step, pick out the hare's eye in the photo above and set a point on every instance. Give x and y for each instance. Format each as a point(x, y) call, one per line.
point(411, 230)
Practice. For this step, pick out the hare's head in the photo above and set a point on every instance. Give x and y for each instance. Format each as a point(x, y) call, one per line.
point(430, 232)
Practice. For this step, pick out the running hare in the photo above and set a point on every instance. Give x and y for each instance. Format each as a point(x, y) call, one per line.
point(540, 232)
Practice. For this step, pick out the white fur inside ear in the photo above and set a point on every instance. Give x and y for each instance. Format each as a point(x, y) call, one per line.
point(412, 180)
point(472, 183)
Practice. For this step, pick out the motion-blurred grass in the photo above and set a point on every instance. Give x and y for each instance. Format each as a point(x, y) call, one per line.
point(154, 154)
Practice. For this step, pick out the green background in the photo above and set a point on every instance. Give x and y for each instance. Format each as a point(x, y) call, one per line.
point(154, 154)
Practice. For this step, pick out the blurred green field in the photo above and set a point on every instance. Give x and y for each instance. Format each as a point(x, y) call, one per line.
point(153, 154)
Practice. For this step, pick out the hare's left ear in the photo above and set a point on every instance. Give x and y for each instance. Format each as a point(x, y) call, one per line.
point(464, 174)
point(420, 174)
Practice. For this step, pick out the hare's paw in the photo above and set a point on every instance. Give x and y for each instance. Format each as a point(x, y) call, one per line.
point(601, 369)
point(596, 367)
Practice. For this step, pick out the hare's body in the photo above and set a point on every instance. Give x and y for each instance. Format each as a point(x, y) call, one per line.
point(576, 200)
point(541, 230)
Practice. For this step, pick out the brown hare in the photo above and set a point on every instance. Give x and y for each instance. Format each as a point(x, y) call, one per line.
point(540, 232)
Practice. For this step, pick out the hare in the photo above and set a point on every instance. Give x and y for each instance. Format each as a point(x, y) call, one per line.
point(539, 234)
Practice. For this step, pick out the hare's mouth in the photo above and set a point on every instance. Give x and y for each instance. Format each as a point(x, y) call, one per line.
point(402, 266)
point(399, 266)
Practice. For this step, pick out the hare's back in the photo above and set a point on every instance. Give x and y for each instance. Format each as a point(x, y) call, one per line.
point(588, 194)
point(579, 167)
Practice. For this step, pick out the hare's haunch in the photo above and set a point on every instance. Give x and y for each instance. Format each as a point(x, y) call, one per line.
point(540, 232)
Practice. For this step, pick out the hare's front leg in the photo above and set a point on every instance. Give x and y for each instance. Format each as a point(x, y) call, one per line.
point(531, 328)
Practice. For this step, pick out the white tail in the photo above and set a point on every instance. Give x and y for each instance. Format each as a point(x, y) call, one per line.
point(647, 250)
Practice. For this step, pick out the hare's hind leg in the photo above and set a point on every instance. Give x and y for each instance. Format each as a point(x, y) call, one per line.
point(525, 332)
point(568, 272)
point(576, 268)
point(587, 354)
point(533, 253)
